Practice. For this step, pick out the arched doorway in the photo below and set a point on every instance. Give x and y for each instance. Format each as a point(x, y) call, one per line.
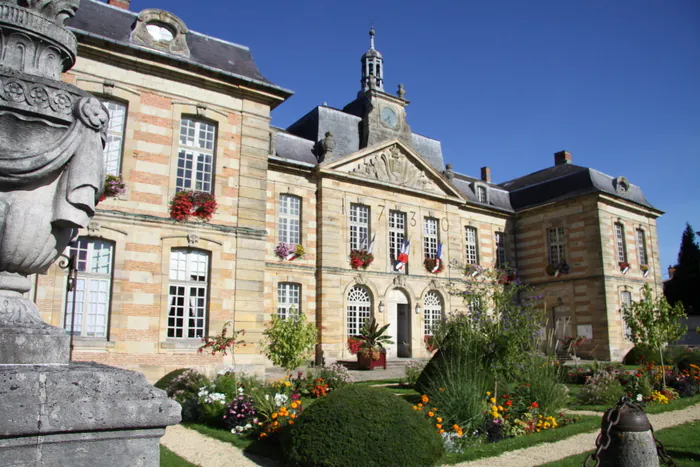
point(399, 319)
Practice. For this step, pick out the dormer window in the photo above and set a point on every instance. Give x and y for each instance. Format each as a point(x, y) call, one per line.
point(481, 194)
point(159, 32)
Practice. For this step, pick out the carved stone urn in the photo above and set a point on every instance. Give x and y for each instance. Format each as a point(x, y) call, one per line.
point(56, 412)
point(51, 166)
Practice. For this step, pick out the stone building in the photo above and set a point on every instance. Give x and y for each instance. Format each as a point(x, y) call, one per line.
point(192, 112)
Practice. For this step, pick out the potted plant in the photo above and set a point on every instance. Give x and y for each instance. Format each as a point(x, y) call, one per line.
point(289, 251)
point(360, 259)
point(624, 266)
point(433, 265)
point(114, 186)
point(186, 204)
point(372, 353)
point(645, 269)
point(354, 345)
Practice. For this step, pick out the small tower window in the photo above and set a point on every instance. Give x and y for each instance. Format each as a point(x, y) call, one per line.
point(371, 68)
point(379, 70)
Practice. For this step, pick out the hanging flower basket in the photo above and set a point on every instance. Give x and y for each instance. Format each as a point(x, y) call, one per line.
point(624, 266)
point(645, 269)
point(186, 204)
point(289, 251)
point(431, 263)
point(114, 186)
point(360, 259)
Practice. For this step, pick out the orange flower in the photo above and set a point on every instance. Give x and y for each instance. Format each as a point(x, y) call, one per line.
point(455, 427)
point(438, 426)
point(439, 419)
point(430, 414)
point(420, 405)
point(291, 422)
point(424, 399)
point(442, 389)
point(441, 432)
point(293, 416)
point(274, 415)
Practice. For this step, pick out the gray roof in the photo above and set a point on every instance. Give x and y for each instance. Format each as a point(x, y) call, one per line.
point(566, 181)
point(430, 149)
point(497, 197)
point(99, 20)
point(294, 148)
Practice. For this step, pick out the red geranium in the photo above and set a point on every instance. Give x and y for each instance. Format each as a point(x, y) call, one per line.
point(186, 204)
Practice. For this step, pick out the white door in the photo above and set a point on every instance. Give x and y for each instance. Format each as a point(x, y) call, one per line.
point(396, 299)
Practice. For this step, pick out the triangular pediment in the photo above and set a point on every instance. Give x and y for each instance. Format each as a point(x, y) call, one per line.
point(393, 163)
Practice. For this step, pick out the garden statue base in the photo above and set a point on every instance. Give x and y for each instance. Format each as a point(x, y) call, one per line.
point(367, 363)
point(82, 414)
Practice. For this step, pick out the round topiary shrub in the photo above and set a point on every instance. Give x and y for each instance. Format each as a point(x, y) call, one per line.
point(165, 380)
point(642, 354)
point(364, 426)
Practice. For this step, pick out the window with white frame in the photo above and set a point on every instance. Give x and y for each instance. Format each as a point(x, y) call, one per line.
point(471, 241)
point(625, 300)
point(187, 297)
point(115, 137)
point(430, 237)
point(359, 227)
point(195, 161)
point(289, 219)
point(432, 312)
point(556, 244)
point(620, 243)
point(397, 234)
point(481, 194)
point(642, 248)
point(288, 295)
point(359, 309)
point(500, 241)
point(92, 290)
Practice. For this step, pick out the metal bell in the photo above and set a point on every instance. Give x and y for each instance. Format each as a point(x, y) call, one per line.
point(632, 442)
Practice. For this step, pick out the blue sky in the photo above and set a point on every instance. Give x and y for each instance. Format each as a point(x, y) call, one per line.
point(502, 83)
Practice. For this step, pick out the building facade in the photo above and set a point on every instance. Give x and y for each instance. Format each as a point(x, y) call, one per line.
point(192, 112)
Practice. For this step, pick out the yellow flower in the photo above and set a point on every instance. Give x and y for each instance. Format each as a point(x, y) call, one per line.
point(294, 405)
point(488, 393)
point(500, 407)
point(274, 415)
point(287, 383)
point(493, 400)
point(415, 407)
point(439, 419)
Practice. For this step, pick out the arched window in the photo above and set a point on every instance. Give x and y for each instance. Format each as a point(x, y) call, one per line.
point(359, 309)
point(432, 311)
point(187, 297)
point(93, 289)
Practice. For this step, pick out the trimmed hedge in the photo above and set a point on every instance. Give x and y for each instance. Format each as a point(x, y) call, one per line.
point(357, 425)
point(165, 380)
point(677, 355)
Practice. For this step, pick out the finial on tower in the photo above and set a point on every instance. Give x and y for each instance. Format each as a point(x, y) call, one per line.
point(372, 66)
point(371, 37)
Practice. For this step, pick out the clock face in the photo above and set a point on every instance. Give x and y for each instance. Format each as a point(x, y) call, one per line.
point(389, 117)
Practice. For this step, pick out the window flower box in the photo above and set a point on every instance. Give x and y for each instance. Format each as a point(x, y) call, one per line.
point(360, 259)
point(645, 269)
point(434, 265)
point(187, 204)
point(114, 186)
point(557, 270)
point(289, 251)
point(624, 266)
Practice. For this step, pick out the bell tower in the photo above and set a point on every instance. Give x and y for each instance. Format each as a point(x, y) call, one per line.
point(372, 67)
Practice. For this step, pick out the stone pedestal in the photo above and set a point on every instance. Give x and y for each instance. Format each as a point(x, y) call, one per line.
point(81, 414)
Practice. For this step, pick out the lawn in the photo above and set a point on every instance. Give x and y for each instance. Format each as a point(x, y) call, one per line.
point(250, 446)
point(675, 404)
point(682, 443)
point(170, 459)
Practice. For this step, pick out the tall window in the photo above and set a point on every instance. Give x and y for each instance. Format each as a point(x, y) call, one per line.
point(471, 242)
point(189, 277)
point(359, 226)
point(397, 233)
point(289, 220)
point(92, 290)
point(500, 241)
point(430, 237)
point(481, 194)
point(556, 244)
point(359, 309)
point(195, 161)
point(625, 300)
point(115, 137)
point(287, 298)
point(432, 306)
point(620, 242)
point(642, 248)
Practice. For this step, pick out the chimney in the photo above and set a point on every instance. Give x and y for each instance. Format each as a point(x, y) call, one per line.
point(124, 4)
point(562, 157)
point(486, 174)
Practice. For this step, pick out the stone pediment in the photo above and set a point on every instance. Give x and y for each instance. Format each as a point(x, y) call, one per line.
point(395, 164)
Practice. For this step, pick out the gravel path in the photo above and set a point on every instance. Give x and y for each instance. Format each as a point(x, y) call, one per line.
point(209, 452)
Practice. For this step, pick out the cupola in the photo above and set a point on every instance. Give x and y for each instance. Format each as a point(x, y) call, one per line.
point(372, 67)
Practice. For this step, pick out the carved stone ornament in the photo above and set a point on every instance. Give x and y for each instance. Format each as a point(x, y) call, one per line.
point(622, 185)
point(360, 279)
point(328, 143)
point(401, 92)
point(435, 285)
point(51, 165)
point(400, 281)
point(161, 19)
point(391, 166)
point(93, 228)
point(192, 239)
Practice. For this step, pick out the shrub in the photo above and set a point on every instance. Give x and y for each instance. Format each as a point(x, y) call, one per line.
point(602, 388)
point(165, 380)
point(185, 388)
point(540, 381)
point(288, 342)
point(687, 358)
point(335, 375)
point(641, 354)
point(361, 426)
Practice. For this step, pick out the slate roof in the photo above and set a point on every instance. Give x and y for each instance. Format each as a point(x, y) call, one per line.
point(294, 148)
point(97, 19)
point(497, 197)
point(565, 181)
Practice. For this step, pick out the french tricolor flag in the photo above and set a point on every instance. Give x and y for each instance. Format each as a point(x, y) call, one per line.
point(438, 258)
point(402, 259)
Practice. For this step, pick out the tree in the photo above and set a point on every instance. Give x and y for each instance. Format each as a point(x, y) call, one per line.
point(654, 323)
point(288, 342)
point(684, 286)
